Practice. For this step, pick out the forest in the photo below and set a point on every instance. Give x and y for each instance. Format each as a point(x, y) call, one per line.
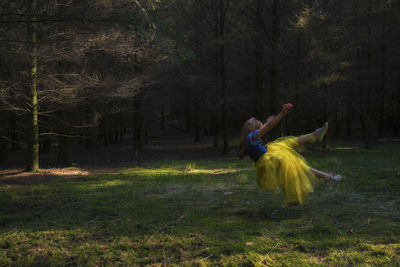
point(95, 73)
point(123, 124)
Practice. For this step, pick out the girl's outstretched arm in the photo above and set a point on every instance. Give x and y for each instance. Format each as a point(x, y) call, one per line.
point(286, 108)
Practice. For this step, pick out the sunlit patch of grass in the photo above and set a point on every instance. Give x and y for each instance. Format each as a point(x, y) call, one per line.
point(149, 172)
point(190, 168)
point(346, 147)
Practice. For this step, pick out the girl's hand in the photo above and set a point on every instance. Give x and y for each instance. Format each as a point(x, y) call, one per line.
point(286, 108)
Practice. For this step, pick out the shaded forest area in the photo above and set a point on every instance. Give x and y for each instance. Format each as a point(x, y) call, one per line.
point(98, 72)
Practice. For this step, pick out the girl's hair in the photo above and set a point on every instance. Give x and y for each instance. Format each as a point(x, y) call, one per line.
point(249, 126)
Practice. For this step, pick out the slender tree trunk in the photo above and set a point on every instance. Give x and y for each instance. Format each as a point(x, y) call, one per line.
point(197, 118)
point(274, 56)
point(116, 128)
point(397, 113)
point(105, 126)
point(381, 126)
point(188, 116)
point(121, 129)
point(33, 147)
point(4, 128)
point(162, 116)
point(216, 126)
point(349, 117)
point(367, 118)
point(3, 148)
point(217, 77)
point(259, 89)
point(221, 77)
point(13, 131)
point(337, 122)
point(146, 133)
point(325, 112)
point(297, 85)
point(137, 124)
point(363, 96)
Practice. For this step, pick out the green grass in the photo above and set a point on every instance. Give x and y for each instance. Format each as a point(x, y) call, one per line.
point(206, 213)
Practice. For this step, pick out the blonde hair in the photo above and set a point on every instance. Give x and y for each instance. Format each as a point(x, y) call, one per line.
point(249, 126)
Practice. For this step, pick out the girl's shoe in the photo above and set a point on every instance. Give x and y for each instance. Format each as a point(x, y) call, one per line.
point(335, 177)
point(321, 132)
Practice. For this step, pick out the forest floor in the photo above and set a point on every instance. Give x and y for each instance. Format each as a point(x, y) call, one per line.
point(184, 204)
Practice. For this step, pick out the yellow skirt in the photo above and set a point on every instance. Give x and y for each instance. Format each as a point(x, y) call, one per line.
point(281, 167)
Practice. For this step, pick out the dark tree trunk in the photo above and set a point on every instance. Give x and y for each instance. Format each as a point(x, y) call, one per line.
point(381, 126)
point(3, 138)
point(105, 126)
point(13, 131)
point(259, 89)
point(121, 129)
point(325, 113)
point(3, 149)
point(162, 117)
point(188, 116)
point(146, 133)
point(337, 122)
point(363, 96)
point(297, 85)
point(215, 122)
point(197, 119)
point(221, 75)
point(33, 143)
point(349, 118)
point(137, 124)
point(397, 114)
point(274, 57)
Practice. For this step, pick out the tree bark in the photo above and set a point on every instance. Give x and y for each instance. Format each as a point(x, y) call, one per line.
point(259, 89)
point(137, 124)
point(4, 128)
point(367, 116)
point(215, 122)
point(197, 118)
point(297, 85)
point(337, 122)
point(162, 116)
point(381, 126)
point(221, 72)
point(33, 145)
point(325, 112)
point(13, 131)
point(188, 116)
point(363, 96)
point(274, 57)
point(397, 113)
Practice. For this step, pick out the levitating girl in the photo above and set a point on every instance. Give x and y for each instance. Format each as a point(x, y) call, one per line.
point(278, 164)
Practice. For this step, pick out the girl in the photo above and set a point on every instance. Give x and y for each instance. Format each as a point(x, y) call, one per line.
point(277, 164)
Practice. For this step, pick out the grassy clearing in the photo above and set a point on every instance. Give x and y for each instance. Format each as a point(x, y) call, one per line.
point(205, 213)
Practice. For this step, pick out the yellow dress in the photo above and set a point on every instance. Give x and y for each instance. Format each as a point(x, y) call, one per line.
point(283, 167)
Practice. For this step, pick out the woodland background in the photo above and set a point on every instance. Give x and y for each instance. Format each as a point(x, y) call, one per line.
point(93, 73)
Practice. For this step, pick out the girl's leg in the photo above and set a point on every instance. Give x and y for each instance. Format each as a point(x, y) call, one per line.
point(306, 138)
point(326, 176)
point(320, 174)
point(318, 134)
